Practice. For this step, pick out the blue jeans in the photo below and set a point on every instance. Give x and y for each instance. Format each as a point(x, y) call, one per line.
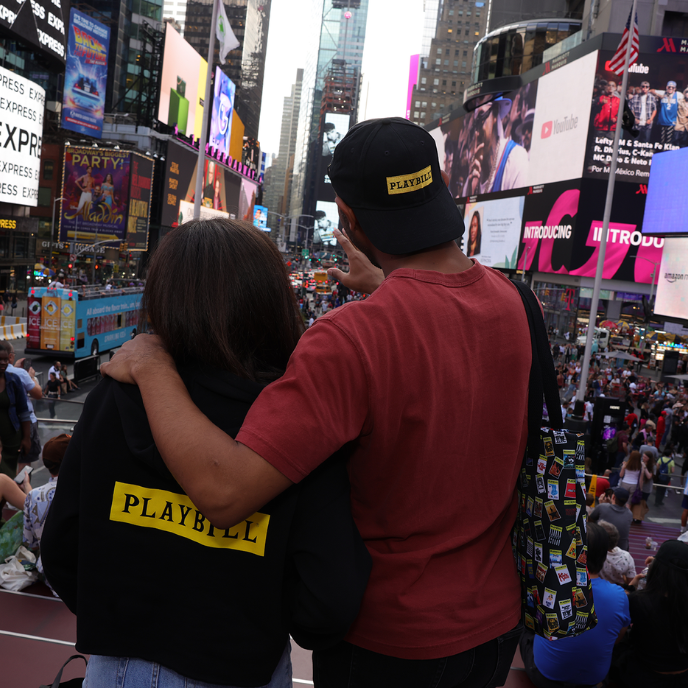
point(129, 672)
point(349, 666)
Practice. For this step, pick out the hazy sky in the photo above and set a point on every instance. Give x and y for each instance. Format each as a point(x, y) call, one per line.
point(393, 34)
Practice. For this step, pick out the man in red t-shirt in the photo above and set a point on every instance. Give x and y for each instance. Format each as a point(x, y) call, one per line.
point(433, 469)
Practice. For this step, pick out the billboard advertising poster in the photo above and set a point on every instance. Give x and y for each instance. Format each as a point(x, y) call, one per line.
point(186, 212)
point(326, 220)
point(562, 229)
point(83, 104)
point(260, 217)
point(559, 126)
point(493, 229)
point(138, 219)
point(223, 106)
point(38, 22)
point(672, 287)
point(657, 94)
point(182, 85)
point(247, 200)
point(20, 138)
point(549, 218)
point(334, 130)
point(488, 150)
point(666, 208)
point(96, 186)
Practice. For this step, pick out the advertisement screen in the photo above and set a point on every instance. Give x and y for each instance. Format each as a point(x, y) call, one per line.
point(260, 217)
point(657, 94)
point(186, 212)
point(223, 106)
point(20, 138)
point(96, 186)
point(326, 221)
point(335, 127)
point(559, 126)
point(493, 229)
point(665, 209)
point(488, 150)
point(182, 85)
point(247, 200)
point(221, 189)
point(139, 202)
point(85, 75)
point(562, 235)
point(672, 287)
point(38, 22)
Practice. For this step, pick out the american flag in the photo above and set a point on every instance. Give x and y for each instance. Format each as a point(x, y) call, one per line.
point(616, 64)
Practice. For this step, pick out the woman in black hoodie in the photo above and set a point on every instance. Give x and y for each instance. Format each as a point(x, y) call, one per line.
point(160, 594)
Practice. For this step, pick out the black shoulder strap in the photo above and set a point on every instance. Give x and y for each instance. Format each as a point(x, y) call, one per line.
point(543, 377)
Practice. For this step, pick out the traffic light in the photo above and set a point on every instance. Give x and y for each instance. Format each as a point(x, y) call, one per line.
point(70, 266)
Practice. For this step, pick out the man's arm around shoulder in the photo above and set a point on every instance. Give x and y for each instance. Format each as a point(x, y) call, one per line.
point(225, 479)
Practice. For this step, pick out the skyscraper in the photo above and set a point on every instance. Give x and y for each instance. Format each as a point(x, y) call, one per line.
point(175, 9)
point(331, 84)
point(245, 65)
point(444, 72)
point(277, 187)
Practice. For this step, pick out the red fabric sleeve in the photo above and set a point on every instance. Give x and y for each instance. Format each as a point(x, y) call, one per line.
point(321, 403)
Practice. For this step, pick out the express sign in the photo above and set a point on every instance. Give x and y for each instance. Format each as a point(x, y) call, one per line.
point(38, 22)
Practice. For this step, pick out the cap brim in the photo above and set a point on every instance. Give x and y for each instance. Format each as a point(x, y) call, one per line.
point(409, 230)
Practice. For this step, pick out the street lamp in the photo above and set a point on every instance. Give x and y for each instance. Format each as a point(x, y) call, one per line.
point(654, 274)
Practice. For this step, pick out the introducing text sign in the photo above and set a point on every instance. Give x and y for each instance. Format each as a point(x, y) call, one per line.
point(21, 132)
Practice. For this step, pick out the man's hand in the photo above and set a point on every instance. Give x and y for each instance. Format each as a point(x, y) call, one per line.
point(144, 352)
point(363, 276)
point(25, 446)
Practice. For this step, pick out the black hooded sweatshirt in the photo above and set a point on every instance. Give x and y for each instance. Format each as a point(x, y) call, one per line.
point(149, 577)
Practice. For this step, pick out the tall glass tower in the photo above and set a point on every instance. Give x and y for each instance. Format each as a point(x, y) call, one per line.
point(331, 83)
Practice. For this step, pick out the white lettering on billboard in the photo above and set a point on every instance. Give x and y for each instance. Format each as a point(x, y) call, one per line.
point(672, 287)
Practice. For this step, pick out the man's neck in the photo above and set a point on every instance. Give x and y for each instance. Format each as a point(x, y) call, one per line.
point(446, 258)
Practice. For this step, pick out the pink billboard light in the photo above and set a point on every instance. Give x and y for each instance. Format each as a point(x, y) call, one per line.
point(413, 80)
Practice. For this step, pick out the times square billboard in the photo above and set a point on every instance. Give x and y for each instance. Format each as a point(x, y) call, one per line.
point(530, 169)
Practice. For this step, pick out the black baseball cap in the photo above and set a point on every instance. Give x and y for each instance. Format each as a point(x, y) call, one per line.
point(387, 171)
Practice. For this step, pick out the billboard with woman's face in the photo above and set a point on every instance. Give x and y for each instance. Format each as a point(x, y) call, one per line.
point(223, 106)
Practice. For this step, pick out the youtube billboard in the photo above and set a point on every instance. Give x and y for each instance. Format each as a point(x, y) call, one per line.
point(560, 124)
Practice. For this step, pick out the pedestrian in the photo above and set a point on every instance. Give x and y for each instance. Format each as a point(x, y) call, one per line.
point(14, 303)
point(616, 513)
point(52, 391)
point(15, 418)
point(664, 469)
point(629, 474)
point(407, 450)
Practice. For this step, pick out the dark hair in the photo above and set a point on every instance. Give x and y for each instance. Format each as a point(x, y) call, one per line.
point(612, 532)
point(6, 346)
point(620, 501)
point(478, 238)
point(218, 294)
point(598, 546)
point(666, 581)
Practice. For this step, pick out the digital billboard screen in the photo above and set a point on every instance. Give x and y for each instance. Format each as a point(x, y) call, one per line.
point(96, 188)
point(487, 150)
point(140, 191)
point(21, 137)
point(672, 287)
point(83, 103)
point(37, 22)
point(223, 106)
point(334, 129)
point(657, 95)
point(666, 209)
point(493, 230)
point(260, 217)
point(326, 220)
point(182, 85)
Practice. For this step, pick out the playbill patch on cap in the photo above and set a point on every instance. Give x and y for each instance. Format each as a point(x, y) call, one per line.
point(409, 182)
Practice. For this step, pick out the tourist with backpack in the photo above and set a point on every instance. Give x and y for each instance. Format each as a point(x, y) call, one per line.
point(664, 469)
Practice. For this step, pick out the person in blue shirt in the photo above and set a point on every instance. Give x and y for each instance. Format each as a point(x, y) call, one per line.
point(583, 660)
point(668, 110)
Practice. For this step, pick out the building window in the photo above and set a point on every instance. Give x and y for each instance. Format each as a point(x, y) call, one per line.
point(447, 51)
point(450, 30)
point(463, 65)
point(453, 84)
point(466, 32)
point(418, 103)
point(416, 114)
point(456, 63)
point(439, 51)
point(434, 105)
point(44, 196)
point(465, 52)
point(422, 115)
point(477, 33)
point(444, 82)
point(423, 80)
point(21, 247)
point(48, 168)
point(436, 82)
point(438, 61)
point(456, 53)
point(446, 63)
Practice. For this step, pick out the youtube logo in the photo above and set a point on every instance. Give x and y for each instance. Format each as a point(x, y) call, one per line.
point(546, 130)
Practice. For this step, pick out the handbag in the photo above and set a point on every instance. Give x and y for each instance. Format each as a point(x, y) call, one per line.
point(72, 683)
point(550, 534)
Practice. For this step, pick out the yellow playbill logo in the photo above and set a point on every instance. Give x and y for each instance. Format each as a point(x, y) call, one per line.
point(409, 182)
point(176, 514)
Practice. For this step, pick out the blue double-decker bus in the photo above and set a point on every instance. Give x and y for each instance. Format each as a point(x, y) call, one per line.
point(74, 323)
